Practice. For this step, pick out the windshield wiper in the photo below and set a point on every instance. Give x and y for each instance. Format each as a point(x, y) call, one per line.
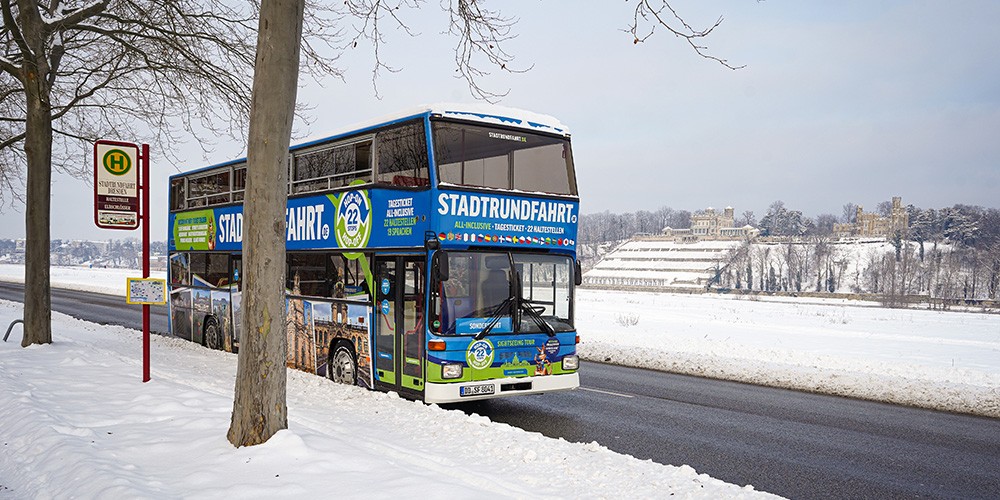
point(525, 306)
point(495, 318)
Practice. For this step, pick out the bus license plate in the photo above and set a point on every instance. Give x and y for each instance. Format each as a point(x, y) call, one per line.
point(476, 390)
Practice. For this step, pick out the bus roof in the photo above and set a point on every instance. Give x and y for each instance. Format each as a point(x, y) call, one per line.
point(476, 112)
point(489, 114)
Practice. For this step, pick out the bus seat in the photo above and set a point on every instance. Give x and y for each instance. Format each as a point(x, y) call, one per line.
point(495, 288)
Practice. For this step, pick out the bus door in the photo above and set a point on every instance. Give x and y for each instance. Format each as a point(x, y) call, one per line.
point(399, 331)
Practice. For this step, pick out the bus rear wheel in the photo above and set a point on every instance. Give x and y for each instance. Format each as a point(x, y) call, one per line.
point(342, 366)
point(212, 334)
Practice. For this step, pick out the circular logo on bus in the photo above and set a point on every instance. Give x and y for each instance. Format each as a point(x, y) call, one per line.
point(116, 162)
point(353, 224)
point(480, 354)
point(552, 346)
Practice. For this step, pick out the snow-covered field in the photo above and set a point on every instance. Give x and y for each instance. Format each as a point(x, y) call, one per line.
point(936, 359)
point(77, 421)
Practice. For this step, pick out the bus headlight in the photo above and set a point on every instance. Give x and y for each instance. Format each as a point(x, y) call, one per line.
point(571, 362)
point(451, 371)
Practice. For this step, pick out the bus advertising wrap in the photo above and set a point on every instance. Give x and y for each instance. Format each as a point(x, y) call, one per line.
point(353, 219)
point(366, 218)
point(463, 218)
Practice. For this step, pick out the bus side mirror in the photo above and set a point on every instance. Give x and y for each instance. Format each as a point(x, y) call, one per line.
point(578, 277)
point(441, 258)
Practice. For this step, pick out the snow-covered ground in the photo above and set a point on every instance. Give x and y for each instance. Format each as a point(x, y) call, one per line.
point(77, 421)
point(88, 279)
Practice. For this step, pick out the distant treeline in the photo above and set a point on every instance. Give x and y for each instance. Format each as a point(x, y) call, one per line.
point(109, 253)
point(606, 226)
point(968, 225)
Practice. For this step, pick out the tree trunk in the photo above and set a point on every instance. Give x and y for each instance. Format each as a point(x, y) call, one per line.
point(37, 299)
point(38, 150)
point(259, 408)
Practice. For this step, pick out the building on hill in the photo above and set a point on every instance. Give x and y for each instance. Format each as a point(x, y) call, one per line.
point(869, 224)
point(712, 225)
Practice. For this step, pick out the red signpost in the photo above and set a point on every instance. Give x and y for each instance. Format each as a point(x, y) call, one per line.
point(118, 194)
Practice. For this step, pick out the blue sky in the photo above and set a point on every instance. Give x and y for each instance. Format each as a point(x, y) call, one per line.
point(841, 102)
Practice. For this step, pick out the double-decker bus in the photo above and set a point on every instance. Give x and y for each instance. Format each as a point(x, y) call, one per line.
point(431, 253)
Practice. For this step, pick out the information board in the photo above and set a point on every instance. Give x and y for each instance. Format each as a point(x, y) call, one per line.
point(146, 291)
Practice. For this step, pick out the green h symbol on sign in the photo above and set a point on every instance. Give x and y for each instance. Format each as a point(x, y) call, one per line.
point(116, 162)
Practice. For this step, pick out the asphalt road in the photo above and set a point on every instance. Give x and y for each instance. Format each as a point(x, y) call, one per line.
point(790, 443)
point(94, 307)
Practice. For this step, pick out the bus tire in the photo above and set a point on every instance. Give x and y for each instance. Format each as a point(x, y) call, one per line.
point(211, 334)
point(342, 366)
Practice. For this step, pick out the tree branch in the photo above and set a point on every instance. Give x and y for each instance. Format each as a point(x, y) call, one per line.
point(15, 33)
point(74, 17)
point(646, 12)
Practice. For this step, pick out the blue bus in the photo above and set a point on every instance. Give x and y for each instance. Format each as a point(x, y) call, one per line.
point(431, 253)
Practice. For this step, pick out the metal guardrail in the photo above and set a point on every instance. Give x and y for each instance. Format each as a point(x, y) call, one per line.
point(11, 327)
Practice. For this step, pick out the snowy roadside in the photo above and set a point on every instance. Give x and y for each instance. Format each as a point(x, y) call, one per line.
point(87, 279)
point(79, 423)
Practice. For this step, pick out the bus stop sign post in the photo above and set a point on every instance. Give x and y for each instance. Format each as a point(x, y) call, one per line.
point(145, 259)
point(118, 194)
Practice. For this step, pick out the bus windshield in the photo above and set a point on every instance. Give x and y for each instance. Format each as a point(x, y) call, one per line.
point(473, 155)
point(482, 290)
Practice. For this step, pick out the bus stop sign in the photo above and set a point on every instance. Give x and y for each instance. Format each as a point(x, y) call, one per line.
point(116, 185)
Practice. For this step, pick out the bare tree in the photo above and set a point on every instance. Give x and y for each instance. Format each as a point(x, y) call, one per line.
point(75, 71)
point(850, 213)
point(884, 208)
point(824, 224)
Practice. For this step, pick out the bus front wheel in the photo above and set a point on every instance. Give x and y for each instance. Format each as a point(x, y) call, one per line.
point(342, 367)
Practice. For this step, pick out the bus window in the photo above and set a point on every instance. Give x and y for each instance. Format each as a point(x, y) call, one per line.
point(471, 155)
point(239, 181)
point(311, 171)
point(547, 287)
point(464, 159)
point(402, 156)
point(211, 189)
point(354, 279)
point(362, 164)
point(178, 200)
point(479, 290)
point(529, 177)
point(311, 271)
point(331, 167)
point(179, 270)
point(210, 269)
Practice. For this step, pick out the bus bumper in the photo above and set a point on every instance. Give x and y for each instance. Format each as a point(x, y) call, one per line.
point(452, 392)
